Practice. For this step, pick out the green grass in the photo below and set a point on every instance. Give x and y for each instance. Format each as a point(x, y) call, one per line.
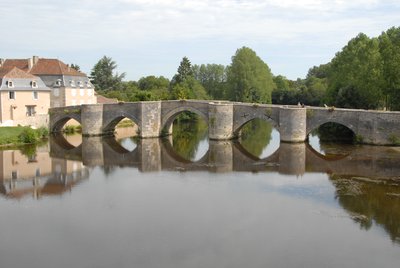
point(21, 135)
point(9, 135)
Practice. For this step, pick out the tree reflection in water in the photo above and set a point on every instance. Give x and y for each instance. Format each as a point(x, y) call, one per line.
point(255, 136)
point(187, 135)
point(370, 200)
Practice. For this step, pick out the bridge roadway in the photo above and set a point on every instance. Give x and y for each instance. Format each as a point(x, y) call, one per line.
point(225, 119)
point(155, 154)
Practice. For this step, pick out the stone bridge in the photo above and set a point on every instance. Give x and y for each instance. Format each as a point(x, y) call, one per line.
point(152, 155)
point(225, 119)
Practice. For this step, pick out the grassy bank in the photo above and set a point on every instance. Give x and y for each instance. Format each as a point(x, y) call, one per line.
point(21, 135)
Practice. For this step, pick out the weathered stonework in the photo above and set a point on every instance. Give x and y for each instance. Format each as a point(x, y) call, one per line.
point(220, 125)
point(225, 119)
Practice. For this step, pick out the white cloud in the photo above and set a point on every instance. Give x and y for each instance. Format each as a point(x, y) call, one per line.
point(102, 25)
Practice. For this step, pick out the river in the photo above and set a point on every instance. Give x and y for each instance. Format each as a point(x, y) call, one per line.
point(185, 201)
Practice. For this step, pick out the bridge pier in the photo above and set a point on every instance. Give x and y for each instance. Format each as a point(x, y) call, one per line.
point(220, 121)
point(92, 120)
point(293, 124)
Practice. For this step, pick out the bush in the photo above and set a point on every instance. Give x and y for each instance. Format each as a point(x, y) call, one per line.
point(42, 132)
point(28, 135)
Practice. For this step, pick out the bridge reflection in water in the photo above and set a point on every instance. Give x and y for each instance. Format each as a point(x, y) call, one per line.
point(226, 156)
point(366, 178)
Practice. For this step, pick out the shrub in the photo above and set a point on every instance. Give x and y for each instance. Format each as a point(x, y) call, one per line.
point(28, 135)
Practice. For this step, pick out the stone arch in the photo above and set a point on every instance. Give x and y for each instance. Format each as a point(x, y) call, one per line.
point(57, 122)
point(314, 125)
point(109, 125)
point(248, 119)
point(176, 160)
point(169, 117)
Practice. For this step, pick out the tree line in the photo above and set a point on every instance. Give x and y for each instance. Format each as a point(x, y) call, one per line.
point(365, 74)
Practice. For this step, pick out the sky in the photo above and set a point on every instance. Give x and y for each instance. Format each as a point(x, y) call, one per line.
point(150, 37)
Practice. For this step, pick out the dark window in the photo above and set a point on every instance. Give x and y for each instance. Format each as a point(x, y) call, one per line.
point(30, 110)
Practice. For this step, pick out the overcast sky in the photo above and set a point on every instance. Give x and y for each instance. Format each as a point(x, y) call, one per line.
point(150, 37)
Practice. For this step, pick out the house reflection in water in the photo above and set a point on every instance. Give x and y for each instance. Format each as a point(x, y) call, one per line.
point(37, 174)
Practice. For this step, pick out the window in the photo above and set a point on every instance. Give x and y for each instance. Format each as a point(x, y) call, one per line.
point(88, 84)
point(89, 92)
point(58, 82)
point(10, 84)
point(14, 175)
point(35, 95)
point(73, 92)
point(56, 92)
point(34, 84)
point(72, 83)
point(82, 92)
point(80, 84)
point(11, 95)
point(30, 110)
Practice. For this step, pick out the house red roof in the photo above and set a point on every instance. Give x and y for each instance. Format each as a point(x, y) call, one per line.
point(53, 67)
point(14, 72)
point(20, 64)
point(43, 67)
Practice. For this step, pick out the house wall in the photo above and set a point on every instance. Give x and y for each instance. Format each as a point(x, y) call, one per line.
point(79, 95)
point(14, 111)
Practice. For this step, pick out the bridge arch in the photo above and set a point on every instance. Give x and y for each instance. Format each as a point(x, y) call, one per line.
point(315, 125)
point(170, 116)
point(110, 123)
point(58, 122)
point(241, 123)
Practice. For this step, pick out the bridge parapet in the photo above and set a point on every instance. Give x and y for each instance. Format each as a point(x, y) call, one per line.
point(225, 119)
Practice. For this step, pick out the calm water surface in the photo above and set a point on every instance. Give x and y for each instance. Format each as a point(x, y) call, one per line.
point(187, 202)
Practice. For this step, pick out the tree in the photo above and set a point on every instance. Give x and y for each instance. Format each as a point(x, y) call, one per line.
point(249, 78)
point(103, 76)
point(184, 85)
point(389, 46)
point(213, 78)
point(76, 67)
point(358, 69)
point(184, 71)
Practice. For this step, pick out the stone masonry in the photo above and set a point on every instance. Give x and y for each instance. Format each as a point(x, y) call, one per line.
point(225, 119)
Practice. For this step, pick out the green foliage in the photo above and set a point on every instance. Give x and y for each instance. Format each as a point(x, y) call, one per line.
point(255, 136)
point(76, 67)
point(389, 46)
point(184, 71)
point(394, 139)
point(28, 135)
point(355, 75)
point(213, 78)
point(72, 129)
point(370, 201)
point(187, 136)
point(333, 132)
point(42, 132)
point(103, 77)
point(249, 78)
point(22, 135)
point(184, 85)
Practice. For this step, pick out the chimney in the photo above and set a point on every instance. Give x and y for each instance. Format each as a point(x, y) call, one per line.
point(35, 59)
point(30, 63)
point(2, 62)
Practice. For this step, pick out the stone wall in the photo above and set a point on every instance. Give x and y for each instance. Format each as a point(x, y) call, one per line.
point(225, 119)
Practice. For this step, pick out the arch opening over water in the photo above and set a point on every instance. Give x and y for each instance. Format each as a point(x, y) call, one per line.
point(332, 139)
point(122, 126)
point(259, 138)
point(189, 136)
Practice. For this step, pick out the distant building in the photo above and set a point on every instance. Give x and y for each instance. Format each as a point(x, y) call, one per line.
point(52, 82)
point(24, 98)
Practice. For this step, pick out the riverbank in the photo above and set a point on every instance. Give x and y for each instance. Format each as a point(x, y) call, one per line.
point(15, 136)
